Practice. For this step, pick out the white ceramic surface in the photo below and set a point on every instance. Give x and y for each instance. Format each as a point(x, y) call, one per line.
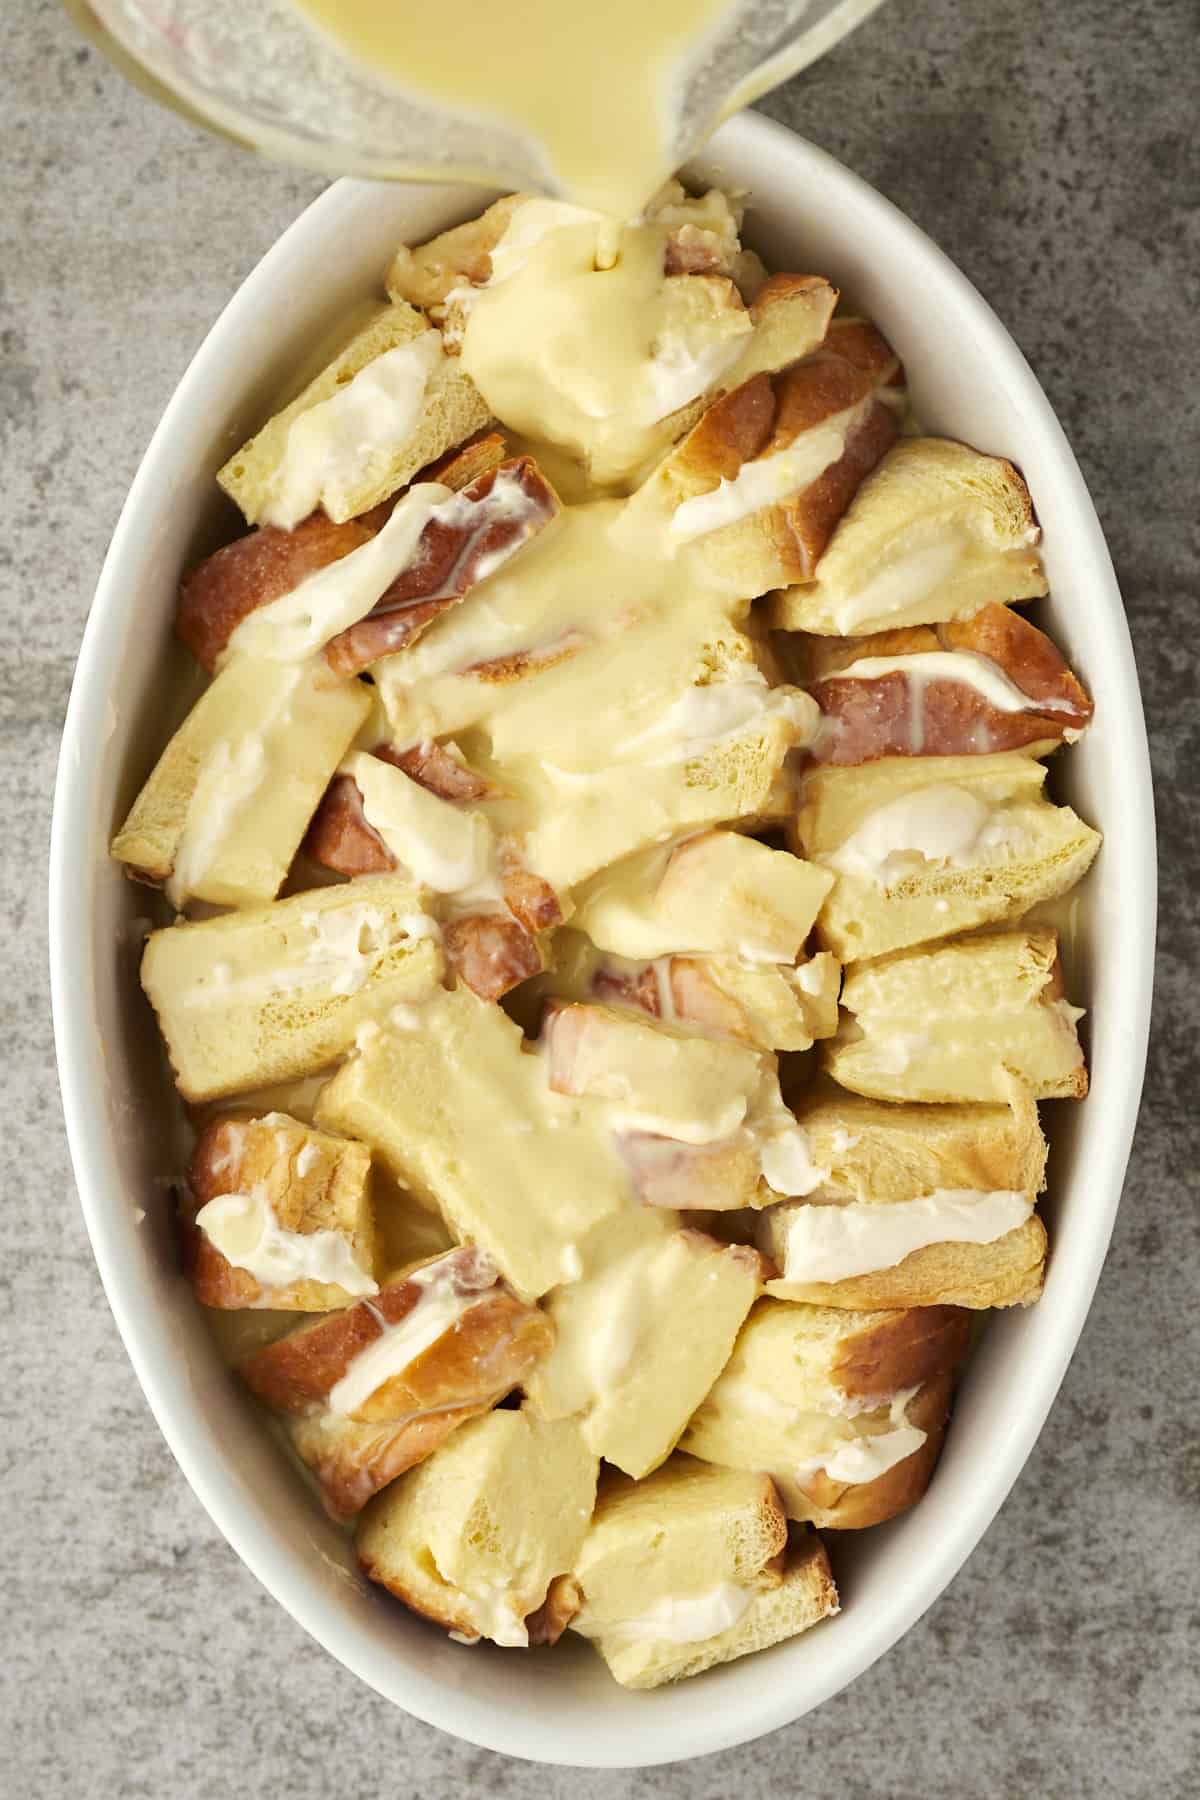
point(968, 379)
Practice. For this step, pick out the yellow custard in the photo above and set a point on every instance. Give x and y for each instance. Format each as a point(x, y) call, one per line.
point(598, 86)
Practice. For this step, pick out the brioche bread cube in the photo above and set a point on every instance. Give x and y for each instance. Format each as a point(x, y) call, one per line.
point(462, 1114)
point(926, 848)
point(791, 316)
point(338, 460)
point(426, 275)
point(281, 1217)
point(441, 1335)
point(970, 687)
point(717, 892)
point(773, 1005)
point(941, 1164)
point(350, 1461)
point(709, 746)
point(690, 1568)
point(756, 488)
point(642, 1334)
point(959, 1022)
point(368, 1392)
point(273, 993)
point(226, 806)
point(845, 1411)
point(657, 1077)
point(935, 532)
point(474, 1536)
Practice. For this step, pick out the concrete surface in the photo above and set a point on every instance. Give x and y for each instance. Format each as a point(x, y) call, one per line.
point(1051, 151)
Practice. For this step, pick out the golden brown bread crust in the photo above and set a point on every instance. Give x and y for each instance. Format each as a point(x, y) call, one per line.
point(467, 462)
point(770, 412)
point(262, 566)
point(353, 1462)
point(339, 835)
point(446, 562)
point(1008, 1272)
point(564, 1597)
point(448, 1609)
point(491, 953)
point(838, 1507)
point(883, 716)
point(478, 1360)
point(907, 1349)
point(432, 766)
point(240, 1155)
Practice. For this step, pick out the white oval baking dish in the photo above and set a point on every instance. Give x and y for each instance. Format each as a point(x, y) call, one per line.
point(968, 379)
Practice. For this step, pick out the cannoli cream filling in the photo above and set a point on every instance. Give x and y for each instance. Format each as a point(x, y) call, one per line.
point(438, 1310)
point(764, 481)
point(834, 1243)
point(942, 824)
point(861, 1458)
point(339, 438)
point(245, 1230)
point(676, 1618)
point(965, 667)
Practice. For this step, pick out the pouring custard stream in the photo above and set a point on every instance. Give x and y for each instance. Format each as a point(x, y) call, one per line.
point(600, 87)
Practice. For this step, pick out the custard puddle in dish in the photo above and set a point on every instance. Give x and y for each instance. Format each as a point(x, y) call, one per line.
point(608, 982)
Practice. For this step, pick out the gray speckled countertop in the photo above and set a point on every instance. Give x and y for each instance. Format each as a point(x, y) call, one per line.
point(1052, 152)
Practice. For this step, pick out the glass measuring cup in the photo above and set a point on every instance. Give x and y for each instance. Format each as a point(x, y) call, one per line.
point(260, 73)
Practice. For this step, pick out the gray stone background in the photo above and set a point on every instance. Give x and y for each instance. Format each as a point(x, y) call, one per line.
point(1051, 150)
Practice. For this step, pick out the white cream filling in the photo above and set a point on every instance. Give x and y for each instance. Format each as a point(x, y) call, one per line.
point(965, 667)
point(299, 624)
point(442, 846)
point(762, 482)
point(347, 942)
point(246, 1232)
point(338, 439)
point(677, 1618)
point(861, 1459)
point(230, 776)
point(833, 1243)
point(941, 824)
point(900, 584)
point(438, 1309)
point(704, 717)
point(677, 374)
point(784, 1150)
point(496, 1616)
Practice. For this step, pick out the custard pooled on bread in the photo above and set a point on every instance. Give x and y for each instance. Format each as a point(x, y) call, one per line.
point(607, 955)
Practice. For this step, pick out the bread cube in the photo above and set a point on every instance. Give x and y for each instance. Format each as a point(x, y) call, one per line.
point(756, 488)
point(966, 687)
point(463, 1115)
point(444, 1334)
point(923, 848)
point(690, 1568)
point(273, 993)
point(958, 1023)
point(658, 1078)
point(228, 802)
point(642, 1334)
point(908, 1198)
point(475, 1535)
point(718, 892)
point(773, 1005)
point(845, 1411)
point(935, 532)
point(387, 405)
point(281, 1217)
